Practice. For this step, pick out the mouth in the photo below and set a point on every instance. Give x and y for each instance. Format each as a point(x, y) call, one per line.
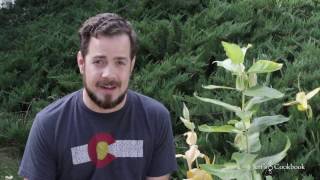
point(107, 87)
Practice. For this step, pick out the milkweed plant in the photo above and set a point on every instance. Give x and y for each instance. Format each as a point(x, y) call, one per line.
point(246, 163)
point(193, 153)
point(302, 99)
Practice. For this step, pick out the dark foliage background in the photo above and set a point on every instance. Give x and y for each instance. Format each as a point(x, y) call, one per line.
point(178, 41)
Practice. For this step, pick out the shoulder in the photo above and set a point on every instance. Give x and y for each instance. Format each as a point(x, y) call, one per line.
point(154, 112)
point(50, 113)
point(149, 104)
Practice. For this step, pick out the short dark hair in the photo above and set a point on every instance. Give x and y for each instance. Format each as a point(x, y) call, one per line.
point(106, 24)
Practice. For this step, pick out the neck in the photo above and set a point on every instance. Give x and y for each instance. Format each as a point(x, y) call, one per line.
point(94, 107)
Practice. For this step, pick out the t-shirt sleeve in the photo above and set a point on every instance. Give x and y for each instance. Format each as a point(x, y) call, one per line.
point(163, 159)
point(38, 161)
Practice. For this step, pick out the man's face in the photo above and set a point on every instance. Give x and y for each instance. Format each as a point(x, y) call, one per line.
point(106, 70)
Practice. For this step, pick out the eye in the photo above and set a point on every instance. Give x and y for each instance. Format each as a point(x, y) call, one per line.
point(121, 62)
point(97, 62)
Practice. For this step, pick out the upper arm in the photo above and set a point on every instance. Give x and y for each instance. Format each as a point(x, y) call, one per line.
point(38, 160)
point(163, 160)
point(165, 177)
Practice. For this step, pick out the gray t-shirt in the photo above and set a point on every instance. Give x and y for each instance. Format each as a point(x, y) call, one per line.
point(69, 141)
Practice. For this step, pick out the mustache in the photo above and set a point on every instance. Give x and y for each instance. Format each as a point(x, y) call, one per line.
point(108, 83)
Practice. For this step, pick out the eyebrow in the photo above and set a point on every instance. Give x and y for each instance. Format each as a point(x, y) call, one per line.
point(100, 57)
point(122, 58)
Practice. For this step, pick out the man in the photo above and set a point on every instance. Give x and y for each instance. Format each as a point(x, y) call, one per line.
point(103, 131)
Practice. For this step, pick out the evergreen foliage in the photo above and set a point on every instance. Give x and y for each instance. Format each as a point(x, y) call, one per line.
point(178, 41)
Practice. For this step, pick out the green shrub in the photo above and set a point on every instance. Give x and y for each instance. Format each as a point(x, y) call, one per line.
point(179, 40)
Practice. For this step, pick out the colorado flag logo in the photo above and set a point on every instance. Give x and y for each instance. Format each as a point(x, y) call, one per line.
point(103, 148)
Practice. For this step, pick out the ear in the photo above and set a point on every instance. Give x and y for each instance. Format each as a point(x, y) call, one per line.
point(133, 61)
point(81, 62)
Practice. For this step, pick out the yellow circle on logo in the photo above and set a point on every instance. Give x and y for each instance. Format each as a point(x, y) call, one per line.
point(102, 150)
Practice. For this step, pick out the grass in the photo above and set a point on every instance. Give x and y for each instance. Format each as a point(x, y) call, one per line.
point(9, 162)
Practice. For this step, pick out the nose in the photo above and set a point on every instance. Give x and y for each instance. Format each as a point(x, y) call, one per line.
point(108, 72)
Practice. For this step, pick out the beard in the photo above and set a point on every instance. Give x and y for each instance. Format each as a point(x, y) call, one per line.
point(106, 101)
